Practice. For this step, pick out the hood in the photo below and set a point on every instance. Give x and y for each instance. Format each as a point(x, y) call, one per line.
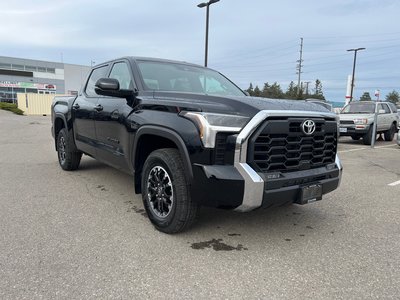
point(242, 105)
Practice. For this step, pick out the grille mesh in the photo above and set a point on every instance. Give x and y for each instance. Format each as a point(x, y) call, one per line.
point(280, 145)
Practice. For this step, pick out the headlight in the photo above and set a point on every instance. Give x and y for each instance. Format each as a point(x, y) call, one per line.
point(360, 121)
point(209, 124)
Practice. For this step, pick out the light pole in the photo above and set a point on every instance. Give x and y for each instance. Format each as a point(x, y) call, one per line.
point(207, 5)
point(354, 70)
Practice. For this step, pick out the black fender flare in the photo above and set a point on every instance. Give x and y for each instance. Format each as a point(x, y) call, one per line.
point(168, 134)
point(67, 125)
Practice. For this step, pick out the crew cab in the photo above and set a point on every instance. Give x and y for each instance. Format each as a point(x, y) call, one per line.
point(357, 119)
point(191, 137)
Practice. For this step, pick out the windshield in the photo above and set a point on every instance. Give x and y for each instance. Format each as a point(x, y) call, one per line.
point(168, 76)
point(359, 108)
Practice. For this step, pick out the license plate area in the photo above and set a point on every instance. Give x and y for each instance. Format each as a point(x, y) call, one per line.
point(343, 129)
point(310, 193)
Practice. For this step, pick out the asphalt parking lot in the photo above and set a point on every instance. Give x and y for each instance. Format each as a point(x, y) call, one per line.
point(84, 234)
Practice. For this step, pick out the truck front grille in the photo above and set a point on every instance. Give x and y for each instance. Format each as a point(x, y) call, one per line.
point(280, 145)
point(347, 122)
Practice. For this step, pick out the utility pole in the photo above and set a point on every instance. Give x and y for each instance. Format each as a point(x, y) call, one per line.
point(354, 69)
point(299, 65)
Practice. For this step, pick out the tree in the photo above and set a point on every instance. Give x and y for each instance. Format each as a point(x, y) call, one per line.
point(291, 92)
point(273, 91)
point(318, 94)
point(257, 92)
point(276, 91)
point(266, 91)
point(365, 97)
point(393, 97)
point(250, 89)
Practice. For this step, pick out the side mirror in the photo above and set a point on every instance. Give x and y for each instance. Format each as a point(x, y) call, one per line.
point(381, 111)
point(110, 87)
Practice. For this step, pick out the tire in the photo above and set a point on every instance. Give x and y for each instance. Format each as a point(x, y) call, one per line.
point(355, 137)
point(68, 158)
point(367, 138)
point(165, 192)
point(389, 134)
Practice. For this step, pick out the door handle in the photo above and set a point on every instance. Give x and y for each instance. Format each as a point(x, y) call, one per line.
point(98, 107)
point(76, 106)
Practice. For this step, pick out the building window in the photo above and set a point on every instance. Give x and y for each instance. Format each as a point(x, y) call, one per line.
point(18, 67)
point(5, 66)
point(51, 70)
point(41, 69)
point(31, 68)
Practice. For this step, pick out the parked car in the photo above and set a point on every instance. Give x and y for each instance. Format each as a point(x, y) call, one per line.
point(357, 119)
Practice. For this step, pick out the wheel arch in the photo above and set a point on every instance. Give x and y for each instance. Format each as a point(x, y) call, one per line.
point(59, 123)
point(151, 138)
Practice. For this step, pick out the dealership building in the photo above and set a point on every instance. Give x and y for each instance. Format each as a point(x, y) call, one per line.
point(20, 75)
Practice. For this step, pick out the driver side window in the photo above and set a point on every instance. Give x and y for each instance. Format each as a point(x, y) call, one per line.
point(120, 71)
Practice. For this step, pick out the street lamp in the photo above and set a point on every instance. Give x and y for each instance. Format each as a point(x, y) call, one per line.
point(354, 70)
point(207, 5)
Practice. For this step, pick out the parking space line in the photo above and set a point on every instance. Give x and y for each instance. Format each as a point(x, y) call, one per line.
point(351, 150)
point(394, 183)
point(391, 145)
point(363, 148)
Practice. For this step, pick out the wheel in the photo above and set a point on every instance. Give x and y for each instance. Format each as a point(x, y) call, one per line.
point(355, 137)
point(165, 192)
point(389, 134)
point(367, 138)
point(68, 158)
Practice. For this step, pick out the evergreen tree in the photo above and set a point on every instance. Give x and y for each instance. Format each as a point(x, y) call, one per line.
point(276, 91)
point(318, 94)
point(365, 97)
point(291, 92)
point(273, 91)
point(257, 92)
point(266, 91)
point(393, 97)
point(250, 90)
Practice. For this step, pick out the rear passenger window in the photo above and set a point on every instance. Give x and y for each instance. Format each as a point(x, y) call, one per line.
point(94, 76)
point(393, 107)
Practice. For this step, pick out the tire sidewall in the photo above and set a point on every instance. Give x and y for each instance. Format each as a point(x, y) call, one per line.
point(65, 136)
point(152, 162)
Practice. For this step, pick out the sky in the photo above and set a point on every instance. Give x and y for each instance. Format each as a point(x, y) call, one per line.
point(254, 41)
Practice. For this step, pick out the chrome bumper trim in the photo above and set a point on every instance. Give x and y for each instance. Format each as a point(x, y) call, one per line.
point(253, 183)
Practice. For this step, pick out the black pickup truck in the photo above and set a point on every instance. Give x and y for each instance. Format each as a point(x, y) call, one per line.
point(191, 137)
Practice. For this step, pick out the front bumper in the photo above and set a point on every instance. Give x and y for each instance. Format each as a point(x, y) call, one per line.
point(349, 130)
point(241, 187)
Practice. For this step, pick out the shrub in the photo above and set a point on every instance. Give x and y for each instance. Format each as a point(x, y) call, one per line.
point(11, 107)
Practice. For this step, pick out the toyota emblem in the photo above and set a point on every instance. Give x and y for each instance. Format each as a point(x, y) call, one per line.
point(308, 127)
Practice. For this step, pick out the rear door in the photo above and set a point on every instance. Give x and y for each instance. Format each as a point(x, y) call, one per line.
point(84, 112)
point(111, 124)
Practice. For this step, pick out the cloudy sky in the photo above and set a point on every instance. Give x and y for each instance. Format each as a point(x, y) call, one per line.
point(254, 41)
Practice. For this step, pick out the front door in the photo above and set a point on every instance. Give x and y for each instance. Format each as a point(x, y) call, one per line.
point(112, 129)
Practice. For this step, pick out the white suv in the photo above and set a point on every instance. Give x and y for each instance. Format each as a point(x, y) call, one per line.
point(357, 117)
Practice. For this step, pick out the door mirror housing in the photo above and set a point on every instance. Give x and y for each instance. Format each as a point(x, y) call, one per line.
point(110, 87)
